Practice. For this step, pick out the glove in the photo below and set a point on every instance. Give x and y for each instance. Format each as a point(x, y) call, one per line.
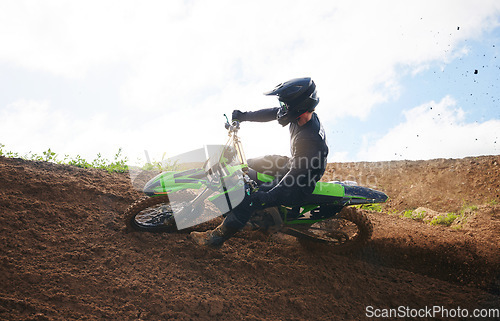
point(238, 115)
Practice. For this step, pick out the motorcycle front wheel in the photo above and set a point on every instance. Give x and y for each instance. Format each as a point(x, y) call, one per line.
point(153, 214)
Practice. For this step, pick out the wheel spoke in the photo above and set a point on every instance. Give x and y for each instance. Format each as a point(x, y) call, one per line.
point(348, 230)
point(337, 231)
point(159, 215)
point(154, 216)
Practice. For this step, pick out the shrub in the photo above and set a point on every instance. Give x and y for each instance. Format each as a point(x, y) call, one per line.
point(119, 163)
point(445, 220)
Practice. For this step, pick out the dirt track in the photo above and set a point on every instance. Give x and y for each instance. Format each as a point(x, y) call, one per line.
point(65, 255)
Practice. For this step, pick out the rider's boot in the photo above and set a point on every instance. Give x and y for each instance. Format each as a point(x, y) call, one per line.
point(215, 237)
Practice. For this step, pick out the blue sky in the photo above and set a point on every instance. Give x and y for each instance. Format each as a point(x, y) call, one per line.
point(396, 80)
point(478, 95)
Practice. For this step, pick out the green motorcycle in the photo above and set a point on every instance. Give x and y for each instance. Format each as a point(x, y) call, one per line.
point(199, 192)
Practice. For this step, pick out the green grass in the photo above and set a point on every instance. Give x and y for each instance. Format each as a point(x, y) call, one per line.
point(118, 164)
point(412, 214)
point(446, 220)
point(163, 165)
point(393, 212)
point(371, 207)
point(455, 220)
point(468, 209)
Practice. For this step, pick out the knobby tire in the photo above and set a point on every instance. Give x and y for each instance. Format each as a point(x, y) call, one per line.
point(351, 214)
point(140, 205)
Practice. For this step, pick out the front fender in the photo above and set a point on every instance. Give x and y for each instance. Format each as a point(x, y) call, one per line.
point(170, 181)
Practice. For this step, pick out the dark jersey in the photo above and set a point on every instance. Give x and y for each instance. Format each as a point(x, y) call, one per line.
point(309, 152)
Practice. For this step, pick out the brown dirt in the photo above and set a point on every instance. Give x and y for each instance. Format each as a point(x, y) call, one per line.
point(65, 255)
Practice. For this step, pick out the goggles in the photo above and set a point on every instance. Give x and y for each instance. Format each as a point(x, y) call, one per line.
point(283, 117)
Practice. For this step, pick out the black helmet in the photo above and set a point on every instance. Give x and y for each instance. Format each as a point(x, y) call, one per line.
point(296, 97)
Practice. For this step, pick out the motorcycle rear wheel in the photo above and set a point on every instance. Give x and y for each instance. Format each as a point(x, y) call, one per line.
point(348, 231)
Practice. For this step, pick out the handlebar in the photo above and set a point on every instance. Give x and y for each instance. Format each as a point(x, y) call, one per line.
point(234, 139)
point(233, 127)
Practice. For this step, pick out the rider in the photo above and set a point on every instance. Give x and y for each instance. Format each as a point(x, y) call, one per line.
point(309, 152)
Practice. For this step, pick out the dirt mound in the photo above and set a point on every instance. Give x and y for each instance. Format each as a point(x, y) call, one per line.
point(445, 185)
point(65, 254)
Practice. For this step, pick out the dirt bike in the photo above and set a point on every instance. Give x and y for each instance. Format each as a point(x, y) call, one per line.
point(328, 215)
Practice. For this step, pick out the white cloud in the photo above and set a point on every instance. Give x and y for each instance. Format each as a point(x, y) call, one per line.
point(434, 130)
point(339, 157)
point(182, 53)
point(34, 126)
point(25, 123)
point(190, 62)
